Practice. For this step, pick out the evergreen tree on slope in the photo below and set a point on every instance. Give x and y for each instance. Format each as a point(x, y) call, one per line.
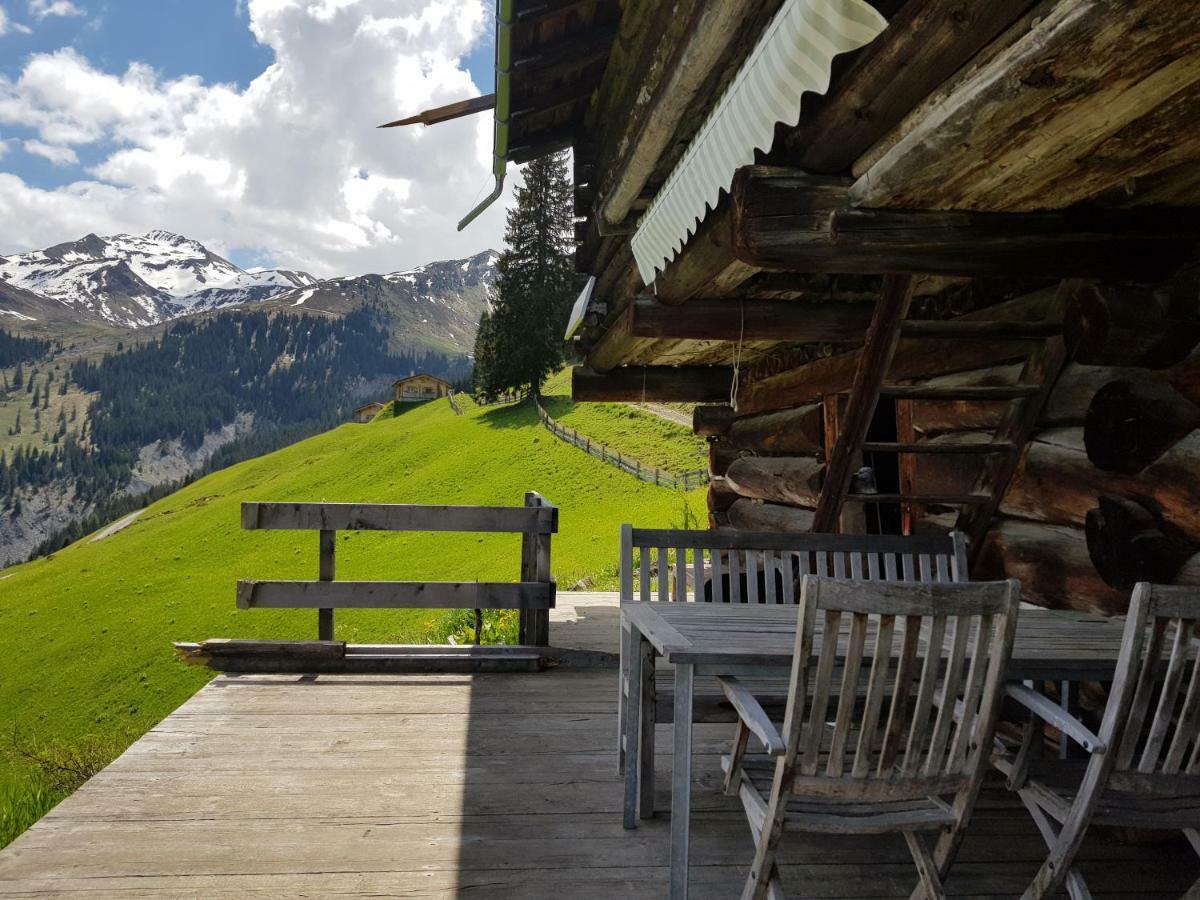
point(520, 342)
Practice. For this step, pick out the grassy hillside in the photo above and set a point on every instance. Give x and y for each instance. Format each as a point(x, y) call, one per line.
point(633, 432)
point(86, 663)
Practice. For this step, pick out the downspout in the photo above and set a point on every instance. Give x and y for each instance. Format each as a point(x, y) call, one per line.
point(504, 23)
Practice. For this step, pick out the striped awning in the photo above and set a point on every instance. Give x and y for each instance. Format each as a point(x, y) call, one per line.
point(794, 55)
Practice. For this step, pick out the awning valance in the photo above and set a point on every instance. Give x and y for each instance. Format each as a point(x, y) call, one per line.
point(794, 55)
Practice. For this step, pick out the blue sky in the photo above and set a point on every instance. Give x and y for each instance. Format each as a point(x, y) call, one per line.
point(58, 157)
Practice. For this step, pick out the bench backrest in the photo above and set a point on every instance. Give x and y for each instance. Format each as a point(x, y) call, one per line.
point(534, 594)
point(750, 567)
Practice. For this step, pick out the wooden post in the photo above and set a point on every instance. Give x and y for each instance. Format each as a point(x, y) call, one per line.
point(328, 544)
point(535, 566)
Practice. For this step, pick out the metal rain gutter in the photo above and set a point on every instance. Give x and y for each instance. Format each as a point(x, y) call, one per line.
point(504, 23)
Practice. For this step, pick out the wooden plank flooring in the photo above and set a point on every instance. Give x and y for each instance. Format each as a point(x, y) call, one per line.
point(477, 786)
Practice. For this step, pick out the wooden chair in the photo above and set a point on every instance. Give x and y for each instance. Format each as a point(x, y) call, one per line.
point(910, 757)
point(750, 567)
point(1143, 769)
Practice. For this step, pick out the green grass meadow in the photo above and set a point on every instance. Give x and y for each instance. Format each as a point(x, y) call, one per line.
point(86, 663)
point(634, 432)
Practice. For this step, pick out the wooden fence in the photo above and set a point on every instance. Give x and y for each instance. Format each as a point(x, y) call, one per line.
point(685, 481)
point(533, 595)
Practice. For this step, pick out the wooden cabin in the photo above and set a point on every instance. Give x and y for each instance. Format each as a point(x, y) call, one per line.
point(936, 269)
point(367, 413)
point(419, 387)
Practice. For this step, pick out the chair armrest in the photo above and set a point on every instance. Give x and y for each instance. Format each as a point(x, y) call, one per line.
point(1053, 714)
point(753, 716)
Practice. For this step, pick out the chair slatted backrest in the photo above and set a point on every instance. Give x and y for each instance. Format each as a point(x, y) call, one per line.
point(1153, 715)
point(749, 567)
point(931, 658)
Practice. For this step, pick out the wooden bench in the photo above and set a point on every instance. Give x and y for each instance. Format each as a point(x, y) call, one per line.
point(533, 595)
point(749, 567)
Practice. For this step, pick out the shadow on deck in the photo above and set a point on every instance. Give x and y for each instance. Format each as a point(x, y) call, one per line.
point(500, 785)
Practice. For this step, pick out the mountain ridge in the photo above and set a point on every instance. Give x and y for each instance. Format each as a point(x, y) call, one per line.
point(139, 281)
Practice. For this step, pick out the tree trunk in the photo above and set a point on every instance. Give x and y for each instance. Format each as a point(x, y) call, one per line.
point(1128, 542)
point(1131, 424)
point(795, 480)
point(799, 430)
point(1052, 564)
point(751, 515)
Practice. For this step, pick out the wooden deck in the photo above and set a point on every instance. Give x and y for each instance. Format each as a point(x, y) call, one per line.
point(489, 786)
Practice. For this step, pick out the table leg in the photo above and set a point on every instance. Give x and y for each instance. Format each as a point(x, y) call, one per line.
point(623, 686)
point(633, 713)
point(681, 780)
point(646, 722)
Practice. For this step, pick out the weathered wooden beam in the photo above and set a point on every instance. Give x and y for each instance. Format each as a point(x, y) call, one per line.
point(882, 83)
point(1127, 325)
point(1096, 93)
point(751, 320)
point(799, 430)
point(566, 55)
point(876, 357)
point(712, 27)
point(915, 358)
point(665, 384)
point(787, 219)
point(712, 421)
point(398, 517)
point(394, 595)
point(1130, 424)
point(445, 113)
point(794, 480)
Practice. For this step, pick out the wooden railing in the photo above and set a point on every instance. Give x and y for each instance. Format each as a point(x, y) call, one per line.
point(533, 595)
point(685, 481)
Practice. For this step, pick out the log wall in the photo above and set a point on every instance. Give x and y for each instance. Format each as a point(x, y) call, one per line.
point(1107, 492)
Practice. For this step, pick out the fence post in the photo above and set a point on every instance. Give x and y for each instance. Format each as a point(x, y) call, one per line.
point(535, 566)
point(328, 545)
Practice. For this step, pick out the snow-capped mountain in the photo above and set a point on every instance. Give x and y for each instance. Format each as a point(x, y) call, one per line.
point(138, 280)
point(437, 304)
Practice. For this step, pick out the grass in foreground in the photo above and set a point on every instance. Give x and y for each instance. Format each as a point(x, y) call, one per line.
point(86, 663)
point(633, 432)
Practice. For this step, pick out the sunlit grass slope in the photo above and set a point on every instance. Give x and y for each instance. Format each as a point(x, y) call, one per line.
point(633, 432)
point(85, 636)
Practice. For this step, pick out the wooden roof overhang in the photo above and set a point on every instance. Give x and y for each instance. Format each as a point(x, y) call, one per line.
point(978, 142)
point(560, 49)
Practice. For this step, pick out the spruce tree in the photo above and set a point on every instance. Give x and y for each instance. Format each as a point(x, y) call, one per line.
point(521, 342)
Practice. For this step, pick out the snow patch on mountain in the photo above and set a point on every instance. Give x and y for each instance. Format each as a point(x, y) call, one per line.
point(138, 280)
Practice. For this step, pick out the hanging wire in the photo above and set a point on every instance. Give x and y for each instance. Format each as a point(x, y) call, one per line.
point(737, 357)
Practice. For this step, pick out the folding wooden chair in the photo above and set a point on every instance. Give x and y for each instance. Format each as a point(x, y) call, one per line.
point(1143, 769)
point(910, 756)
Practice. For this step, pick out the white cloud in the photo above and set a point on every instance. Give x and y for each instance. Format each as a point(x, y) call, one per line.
point(60, 156)
point(7, 24)
point(42, 9)
point(292, 164)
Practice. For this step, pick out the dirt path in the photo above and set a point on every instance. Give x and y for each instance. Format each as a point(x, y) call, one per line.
point(116, 526)
point(665, 412)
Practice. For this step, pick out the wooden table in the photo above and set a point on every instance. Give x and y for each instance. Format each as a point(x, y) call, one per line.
point(748, 639)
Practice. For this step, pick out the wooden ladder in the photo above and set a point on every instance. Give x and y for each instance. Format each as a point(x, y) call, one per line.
point(1002, 455)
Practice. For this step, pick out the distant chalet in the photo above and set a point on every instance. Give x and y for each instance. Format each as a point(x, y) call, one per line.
point(367, 413)
point(416, 388)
